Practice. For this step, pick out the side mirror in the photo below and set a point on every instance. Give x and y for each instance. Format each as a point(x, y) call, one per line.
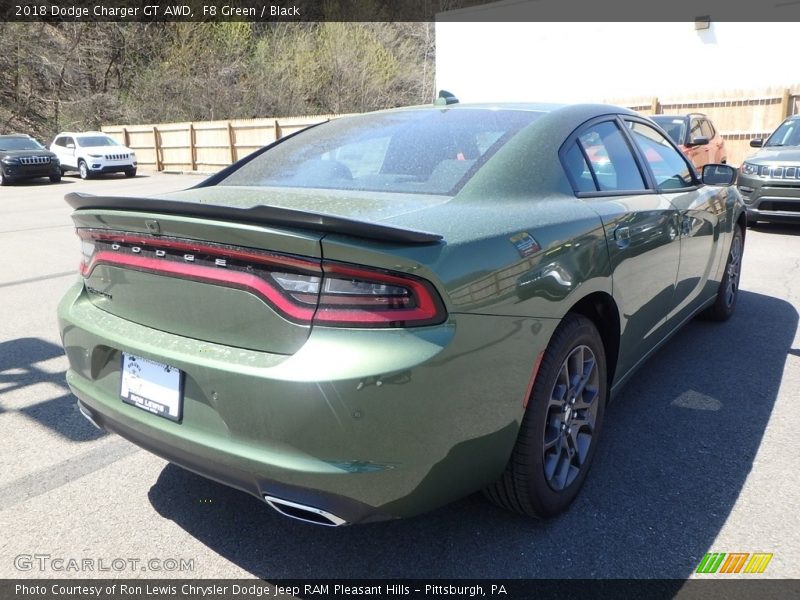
point(756, 143)
point(719, 174)
point(698, 141)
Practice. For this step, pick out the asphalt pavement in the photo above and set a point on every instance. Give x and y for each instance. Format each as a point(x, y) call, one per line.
point(699, 452)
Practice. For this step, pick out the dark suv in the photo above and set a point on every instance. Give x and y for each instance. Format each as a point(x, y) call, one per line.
point(770, 179)
point(22, 157)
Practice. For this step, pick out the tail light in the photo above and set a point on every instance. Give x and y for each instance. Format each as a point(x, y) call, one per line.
point(300, 289)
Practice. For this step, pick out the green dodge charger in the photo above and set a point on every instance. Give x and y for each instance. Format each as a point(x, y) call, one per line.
point(383, 313)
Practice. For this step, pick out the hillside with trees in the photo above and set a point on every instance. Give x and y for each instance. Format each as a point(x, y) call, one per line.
point(78, 76)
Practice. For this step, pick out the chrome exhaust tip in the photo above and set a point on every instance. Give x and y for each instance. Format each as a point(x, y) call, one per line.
point(88, 415)
point(301, 512)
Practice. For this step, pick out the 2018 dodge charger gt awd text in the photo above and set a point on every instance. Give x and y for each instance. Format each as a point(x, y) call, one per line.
point(386, 312)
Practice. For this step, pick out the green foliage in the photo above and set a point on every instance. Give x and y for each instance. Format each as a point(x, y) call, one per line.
point(56, 76)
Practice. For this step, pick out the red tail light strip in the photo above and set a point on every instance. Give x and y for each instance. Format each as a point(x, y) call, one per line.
point(421, 306)
point(236, 279)
point(428, 309)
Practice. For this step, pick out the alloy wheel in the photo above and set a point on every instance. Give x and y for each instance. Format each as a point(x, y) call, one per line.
point(571, 418)
point(734, 267)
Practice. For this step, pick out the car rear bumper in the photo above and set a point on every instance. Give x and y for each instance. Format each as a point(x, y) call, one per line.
point(362, 424)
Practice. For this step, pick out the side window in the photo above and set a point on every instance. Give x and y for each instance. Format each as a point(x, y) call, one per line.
point(610, 158)
point(60, 141)
point(68, 141)
point(707, 129)
point(670, 169)
point(578, 170)
point(695, 131)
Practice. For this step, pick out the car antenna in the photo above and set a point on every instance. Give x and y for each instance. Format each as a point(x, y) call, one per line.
point(445, 98)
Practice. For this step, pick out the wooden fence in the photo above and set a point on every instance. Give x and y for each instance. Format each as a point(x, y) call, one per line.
point(208, 146)
point(739, 116)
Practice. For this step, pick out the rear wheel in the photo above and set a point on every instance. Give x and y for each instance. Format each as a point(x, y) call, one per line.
point(83, 170)
point(728, 291)
point(560, 428)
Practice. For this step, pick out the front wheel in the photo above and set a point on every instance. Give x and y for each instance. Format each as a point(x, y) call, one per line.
point(55, 178)
point(83, 170)
point(130, 173)
point(562, 422)
point(728, 291)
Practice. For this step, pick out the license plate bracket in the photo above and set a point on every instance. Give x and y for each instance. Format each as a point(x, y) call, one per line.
point(152, 386)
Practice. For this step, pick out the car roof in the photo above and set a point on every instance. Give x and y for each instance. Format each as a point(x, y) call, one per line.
point(672, 116)
point(15, 135)
point(543, 107)
point(79, 133)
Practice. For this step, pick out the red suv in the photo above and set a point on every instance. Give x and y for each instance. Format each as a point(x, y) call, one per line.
point(696, 136)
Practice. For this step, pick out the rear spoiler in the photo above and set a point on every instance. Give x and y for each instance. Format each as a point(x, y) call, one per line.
point(260, 215)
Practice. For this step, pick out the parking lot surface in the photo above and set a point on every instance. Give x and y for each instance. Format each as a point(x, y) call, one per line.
point(699, 452)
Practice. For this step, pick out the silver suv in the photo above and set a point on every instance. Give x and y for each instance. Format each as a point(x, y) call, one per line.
point(92, 153)
point(769, 180)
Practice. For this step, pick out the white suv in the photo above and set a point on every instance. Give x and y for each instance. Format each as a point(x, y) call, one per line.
point(92, 153)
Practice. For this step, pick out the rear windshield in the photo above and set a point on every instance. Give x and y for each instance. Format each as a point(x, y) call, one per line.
point(414, 151)
point(674, 126)
point(20, 144)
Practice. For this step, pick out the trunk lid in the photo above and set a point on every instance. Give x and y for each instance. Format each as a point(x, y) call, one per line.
point(200, 265)
point(196, 278)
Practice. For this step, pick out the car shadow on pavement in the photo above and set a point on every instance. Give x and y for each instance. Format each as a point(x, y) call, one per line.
point(678, 445)
point(19, 368)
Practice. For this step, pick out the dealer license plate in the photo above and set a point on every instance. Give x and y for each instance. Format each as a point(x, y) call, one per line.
point(152, 386)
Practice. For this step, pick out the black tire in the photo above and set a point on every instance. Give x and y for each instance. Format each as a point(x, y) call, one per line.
point(55, 178)
point(83, 170)
point(728, 291)
point(546, 448)
point(63, 171)
point(130, 173)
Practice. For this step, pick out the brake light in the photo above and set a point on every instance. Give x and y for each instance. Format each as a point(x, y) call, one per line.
point(300, 289)
point(358, 296)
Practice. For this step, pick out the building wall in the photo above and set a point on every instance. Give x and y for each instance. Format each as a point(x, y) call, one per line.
point(588, 62)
